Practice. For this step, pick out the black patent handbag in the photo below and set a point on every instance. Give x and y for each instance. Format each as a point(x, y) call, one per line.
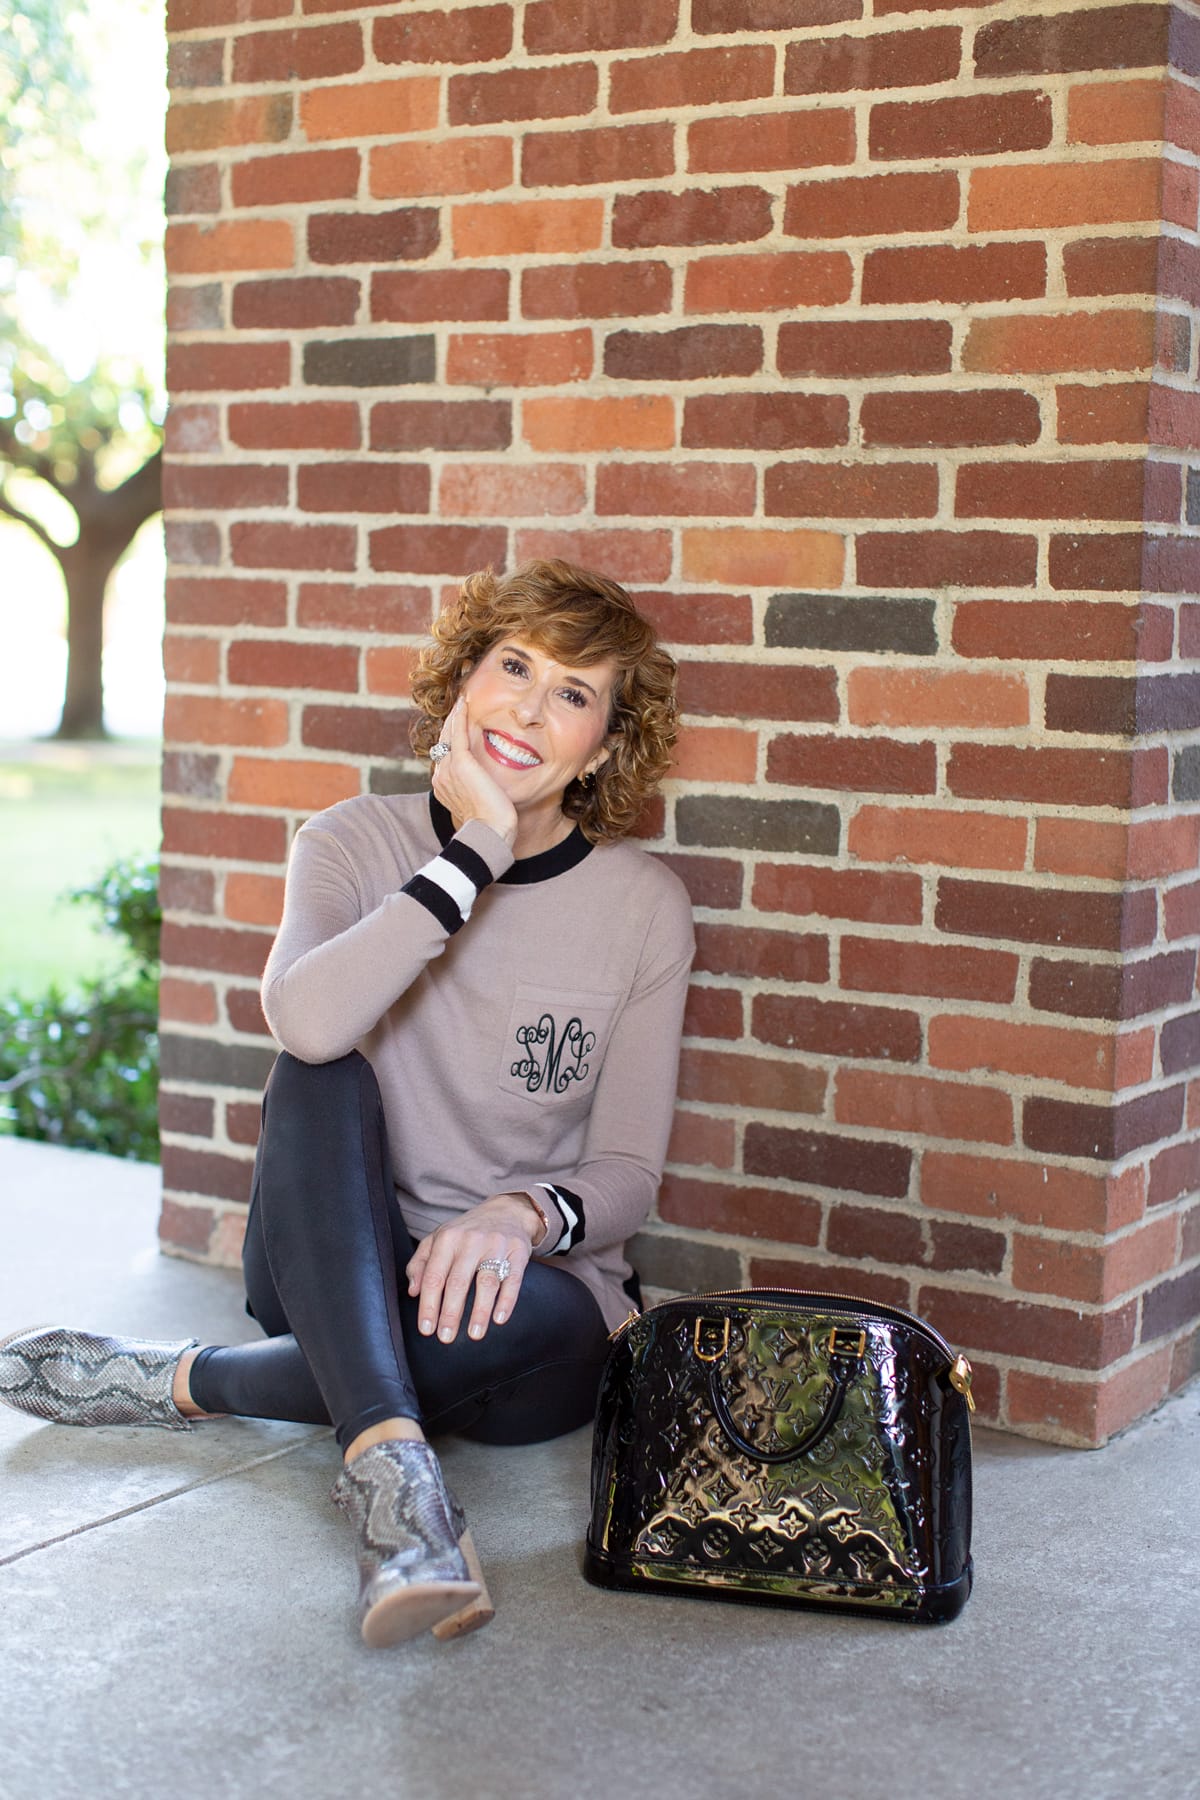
point(791, 1448)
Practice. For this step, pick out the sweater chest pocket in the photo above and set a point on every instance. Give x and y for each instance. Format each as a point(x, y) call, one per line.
point(555, 1044)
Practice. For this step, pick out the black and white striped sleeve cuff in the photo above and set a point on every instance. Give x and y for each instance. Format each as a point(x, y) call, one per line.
point(449, 886)
point(570, 1210)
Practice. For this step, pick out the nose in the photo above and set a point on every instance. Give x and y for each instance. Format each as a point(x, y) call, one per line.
point(528, 705)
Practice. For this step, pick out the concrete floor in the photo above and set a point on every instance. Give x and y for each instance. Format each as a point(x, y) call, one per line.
point(176, 1610)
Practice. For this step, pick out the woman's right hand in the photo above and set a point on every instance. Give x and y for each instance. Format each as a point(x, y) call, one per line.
point(462, 782)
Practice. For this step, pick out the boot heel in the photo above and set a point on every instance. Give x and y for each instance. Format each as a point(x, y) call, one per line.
point(477, 1612)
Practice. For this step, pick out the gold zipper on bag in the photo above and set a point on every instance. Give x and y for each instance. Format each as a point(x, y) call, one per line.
point(960, 1369)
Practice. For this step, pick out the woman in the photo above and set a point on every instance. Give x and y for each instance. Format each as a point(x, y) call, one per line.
point(478, 993)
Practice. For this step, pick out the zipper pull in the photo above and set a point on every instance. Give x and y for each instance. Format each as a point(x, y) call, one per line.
point(620, 1330)
point(960, 1380)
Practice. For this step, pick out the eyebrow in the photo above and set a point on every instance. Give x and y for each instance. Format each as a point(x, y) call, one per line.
point(571, 680)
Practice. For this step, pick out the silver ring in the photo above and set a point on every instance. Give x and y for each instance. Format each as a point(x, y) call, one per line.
point(499, 1266)
point(438, 751)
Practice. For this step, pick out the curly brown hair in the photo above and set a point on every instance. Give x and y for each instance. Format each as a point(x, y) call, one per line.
point(579, 619)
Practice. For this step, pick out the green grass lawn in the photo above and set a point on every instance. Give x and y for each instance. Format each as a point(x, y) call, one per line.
point(66, 812)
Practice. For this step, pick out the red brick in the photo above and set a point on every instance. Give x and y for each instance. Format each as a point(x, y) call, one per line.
point(713, 1012)
point(1027, 1190)
point(203, 1172)
point(188, 1228)
point(689, 490)
point(438, 549)
point(305, 54)
point(242, 1122)
point(734, 421)
point(405, 234)
point(722, 1079)
point(363, 487)
point(865, 347)
point(303, 301)
point(241, 837)
point(689, 353)
point(191, 1114)
point(836, 1028)
point(1174, 1172)
point(1111, 265)
point(755, 691)
point(620, 290)
point(196, 64)
point(244, 1010)
point(871, 765)
point(1079, 1059)
point(872, 1235)
point(1094, 1274)
point(228, 245)
point(699, 618)
point(382, 607)
point(191, 660)
point(194, 188)
point(785, 1218)
point(199, 15)
point(733, 16)
point(253, 899)
point(296, 175)
point(885, 59)
point(699, 1140)
point(1060, 194)
point(790, 140)
point(851, 490)
point(728, 215)
point(801, 559)
point(804, 889)
point(363, 109)
point(533, 359)
point(972, 125)
point(225, 600)
point(194, 541)
point(303, 425)
point(193, 367)
point(825, 1159)
point(269, 663)
point(964, 699)
point(713, 881)
point(189, 1003)
point(563, 92)
point(872, 205)
point(224, 486)
point(917, 1103)
point(829, 1277)
point(212, 124)
point(469, 34)
point(207, 947)
point(955, 839)
point(894, 966)
point(470, 165)
point(419, 296)
point(604, 155)
point(715, 753)
point(556, 26)
point(206, 719)
point(570, 422)
point(390, 669)
point(1116, 413)
point(267, 545)
point(1082, 847)
point(770, 282)
point(1070, 918)
point(628, 556)
point(978, 417)
point(506, 490)
point(1181, 911)
point(298, 786)
point(1053, 489)
point(946, 558)
point(357, 730)
point(946, 272)
point(1111, 562)
point(1015, 345)
point(761, 954)
point(528, 227)
point(684, 78)
point(441, 425)
point(1056, 630)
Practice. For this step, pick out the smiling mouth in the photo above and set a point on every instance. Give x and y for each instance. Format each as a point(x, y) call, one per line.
point(506, 751)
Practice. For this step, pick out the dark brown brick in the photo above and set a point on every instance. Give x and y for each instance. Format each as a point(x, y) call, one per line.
point(712, 881)
point(1112, 266)
point(563, 92)
point(439, 549)
point(191, 1114)
point(555, 27)
point(742, 690)
point(441, 425)
point(1101, 1133)
point(1171, 1306)
point(728, 215)
point(192, 773)
point(1129, 990)
point(953, 972)
point(407, 234)
point(836, 1028)
point(970, 125)
point(856, 347)
point(244, 1010)
point(307, 300)
point(187, 1171)
point(601, 155)
point(312, 52)
point(865, 765)
point(1053, 1334)
point(949, 273)
point(955, 1246)
point(370, 362)
point(1050, 775)
point(466, 34)
point(978, 417)
point(1173, 1173)
point(873, 1235)
point(1073, 918)
point(358, 730)
point(210, 947)
point(946, 558)
point(692, 352)
point(872, 623)
point(727, 822)
point(193, 190)
point(684, 1264)
point(1108, 37)
point(766, 955)
point(883, 59)
point(821, 1159)
point(1179, 1044)
point(804, 888)
point(765, 421)
point(1110, 563)
point(363, 487)
point(771, 1213)
point(209, 1063)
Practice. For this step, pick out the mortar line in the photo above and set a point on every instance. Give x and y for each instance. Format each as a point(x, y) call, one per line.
point(188, 1487)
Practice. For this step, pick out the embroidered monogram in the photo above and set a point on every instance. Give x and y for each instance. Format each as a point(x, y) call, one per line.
point(554, 1059)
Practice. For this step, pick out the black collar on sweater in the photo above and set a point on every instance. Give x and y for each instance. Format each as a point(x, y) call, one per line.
point(542, 867)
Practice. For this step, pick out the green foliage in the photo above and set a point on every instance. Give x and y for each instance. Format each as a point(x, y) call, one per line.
point(81, 1068)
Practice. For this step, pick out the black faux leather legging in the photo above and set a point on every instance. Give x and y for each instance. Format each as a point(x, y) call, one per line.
point(324, 1261)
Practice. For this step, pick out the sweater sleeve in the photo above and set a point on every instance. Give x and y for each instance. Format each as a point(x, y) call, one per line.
point(336, 967)
point(607, 1197)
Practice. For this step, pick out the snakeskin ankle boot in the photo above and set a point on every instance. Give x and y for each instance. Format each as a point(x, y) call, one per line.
point(77, 1378)
point(416, 1562)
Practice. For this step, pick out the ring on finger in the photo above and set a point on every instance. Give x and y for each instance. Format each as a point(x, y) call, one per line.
point(499, 1266)
point(438, 751)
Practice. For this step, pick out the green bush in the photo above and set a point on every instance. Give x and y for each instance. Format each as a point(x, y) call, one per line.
point(80, 1068)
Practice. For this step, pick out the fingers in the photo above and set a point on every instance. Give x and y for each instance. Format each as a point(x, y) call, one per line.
point(441, 1281)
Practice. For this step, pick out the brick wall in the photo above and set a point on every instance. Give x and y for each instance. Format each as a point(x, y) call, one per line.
point(861, 343)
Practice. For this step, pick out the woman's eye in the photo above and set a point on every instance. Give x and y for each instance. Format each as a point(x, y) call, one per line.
point(575, 696)
point(512, 665)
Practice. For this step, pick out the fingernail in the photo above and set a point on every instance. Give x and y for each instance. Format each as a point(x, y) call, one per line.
point(445, 1334)
point(477, 1331)
point(499, 1317)
point(426, 1326)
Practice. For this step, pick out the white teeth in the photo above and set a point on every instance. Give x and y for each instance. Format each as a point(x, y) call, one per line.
point(507, 748)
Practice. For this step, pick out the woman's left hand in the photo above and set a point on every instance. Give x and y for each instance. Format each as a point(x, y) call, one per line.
point(444, 1264)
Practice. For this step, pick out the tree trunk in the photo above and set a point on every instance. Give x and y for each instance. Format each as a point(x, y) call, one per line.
point(86, 568)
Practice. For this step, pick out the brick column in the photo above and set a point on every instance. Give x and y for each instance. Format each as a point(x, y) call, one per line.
point(863, 349)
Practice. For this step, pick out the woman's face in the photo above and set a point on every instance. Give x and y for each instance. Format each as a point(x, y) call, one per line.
point(540, 723)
